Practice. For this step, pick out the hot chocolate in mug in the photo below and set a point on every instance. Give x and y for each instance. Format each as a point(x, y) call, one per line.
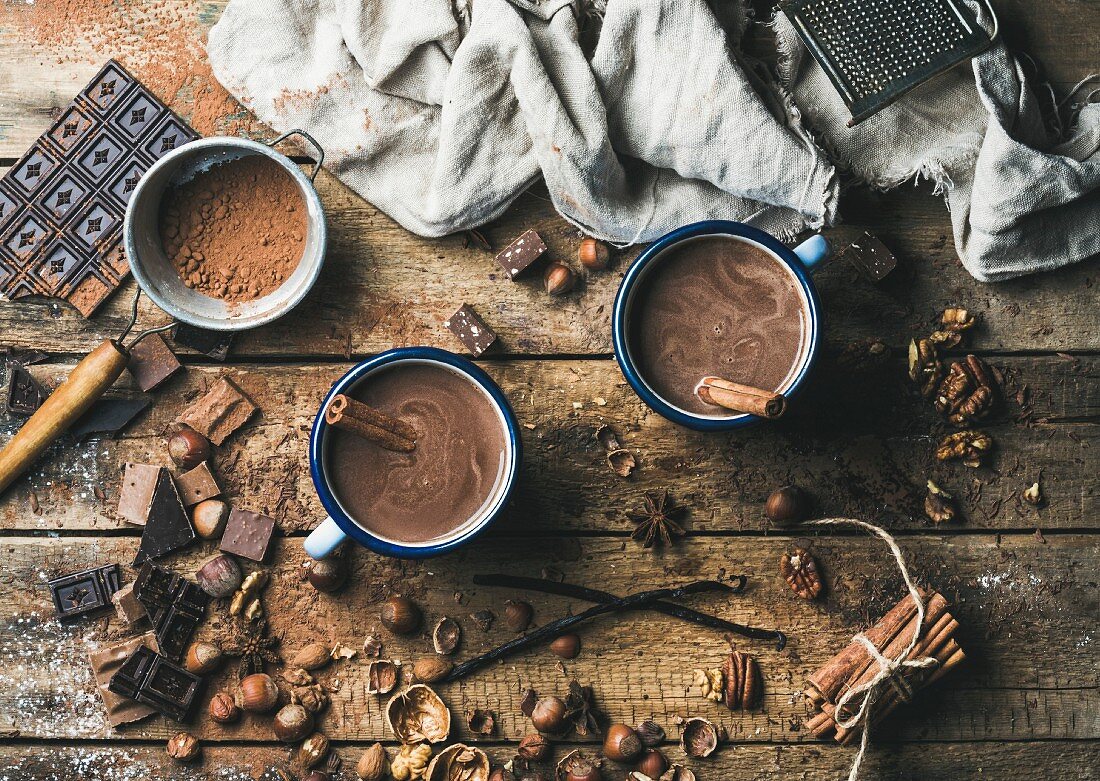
point(454, 483)
point(717, 299)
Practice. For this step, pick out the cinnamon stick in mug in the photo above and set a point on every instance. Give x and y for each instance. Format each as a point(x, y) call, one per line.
point(741, 398)
point(361, 419)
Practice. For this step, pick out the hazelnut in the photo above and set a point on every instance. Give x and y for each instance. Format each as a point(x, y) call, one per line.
point(219, 576)
point(621, 743)
point(313, 750)
point(373, 765)
point(566, 646)
point(652, 763)
point(184, 747)
point(534, 747)
point(400, 615)
point(593, 254)
point(258, 693)
point(651, 733)
point(518, 615)
point(788, 506)
point(558, 279)
point(222, 708)
point(575, 766)
point(188, 448)
point(327, 575)
point(292, 723)
point(202, 658)
point(209, 517)
point(548, 715)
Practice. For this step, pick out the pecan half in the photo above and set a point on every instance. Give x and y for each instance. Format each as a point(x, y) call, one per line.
point(968, 446)
point(744, 684)
point(968, 391)
point(799, 569)
point(924, 366)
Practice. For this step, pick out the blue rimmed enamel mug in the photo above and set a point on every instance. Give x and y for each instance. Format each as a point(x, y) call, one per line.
point(801, 261)
point(339, 526)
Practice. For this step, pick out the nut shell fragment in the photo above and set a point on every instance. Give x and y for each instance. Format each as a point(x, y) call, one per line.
point(382, 675)
point(799, 569)
point(698, 738)
point(459, 763)
point(446, 635)
point(418, 714)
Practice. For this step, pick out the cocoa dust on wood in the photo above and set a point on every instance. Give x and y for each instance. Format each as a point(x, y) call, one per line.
point(235, 231)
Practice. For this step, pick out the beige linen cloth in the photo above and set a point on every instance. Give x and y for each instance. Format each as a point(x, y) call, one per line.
point(441, 112)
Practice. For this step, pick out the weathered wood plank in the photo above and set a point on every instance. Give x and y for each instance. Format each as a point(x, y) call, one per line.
point(1034, 761)
point(864, 454)
point(1020, 604)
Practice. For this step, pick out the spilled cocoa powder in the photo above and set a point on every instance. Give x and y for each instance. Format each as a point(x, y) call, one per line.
point(235, 231)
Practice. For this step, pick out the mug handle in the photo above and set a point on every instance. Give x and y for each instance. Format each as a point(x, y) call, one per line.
point(323, 540)
point(812, 251)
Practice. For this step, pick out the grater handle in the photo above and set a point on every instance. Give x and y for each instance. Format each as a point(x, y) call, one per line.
point(318, 160)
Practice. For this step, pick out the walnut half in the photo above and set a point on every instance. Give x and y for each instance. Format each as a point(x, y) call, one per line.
point(968, 446)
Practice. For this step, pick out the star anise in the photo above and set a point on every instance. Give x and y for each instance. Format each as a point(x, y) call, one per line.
point(253, 646)
point(655, 524)
point(581, 709)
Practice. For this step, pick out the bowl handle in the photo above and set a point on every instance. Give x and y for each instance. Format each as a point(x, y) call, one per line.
point(323, 540)
point(812, 251)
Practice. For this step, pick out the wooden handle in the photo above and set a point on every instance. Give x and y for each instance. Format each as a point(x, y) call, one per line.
point(72, 398)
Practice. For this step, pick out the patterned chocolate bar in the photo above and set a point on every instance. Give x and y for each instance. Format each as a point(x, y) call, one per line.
point(84, 593)
point(62, 205)
point(175, 607)
point(153, 680)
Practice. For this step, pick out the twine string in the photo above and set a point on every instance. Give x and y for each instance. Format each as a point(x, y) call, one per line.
point(891, 672)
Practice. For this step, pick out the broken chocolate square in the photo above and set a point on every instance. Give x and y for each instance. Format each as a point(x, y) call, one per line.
point(153, 680)
point(128, 607)
point(106, 418)
point(870, 256)
point(197, 484)
point(212, 343)
point(25, 395)
point(105, 663)
point(138, 483)
point(168, 528)
point(151, 362)
point(84, 593)
point(175, 606)
point(247, 534)
point(521, 253)
point(471, 330)
point(219, 412)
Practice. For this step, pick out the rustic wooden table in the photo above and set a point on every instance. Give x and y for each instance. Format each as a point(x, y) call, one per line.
point(1023, 579)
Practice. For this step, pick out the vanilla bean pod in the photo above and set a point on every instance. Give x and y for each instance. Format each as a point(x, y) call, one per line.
point(641, 600)
point(667, 608)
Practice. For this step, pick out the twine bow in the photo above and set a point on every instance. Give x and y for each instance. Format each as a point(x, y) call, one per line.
point(891, 672)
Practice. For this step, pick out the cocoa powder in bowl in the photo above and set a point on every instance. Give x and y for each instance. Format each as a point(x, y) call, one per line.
point(236, 230)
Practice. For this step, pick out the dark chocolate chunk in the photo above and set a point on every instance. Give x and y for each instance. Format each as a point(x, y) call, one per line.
point(471, 330)
point(870, 256)
point(167, 527)
point(151, 362)
point(247, 534)
point(105, 663)
point(175, 606)
point(84, 593)
point(106, 418)
point(521, 253)
point(25, 395)
point(152, 679)
point(212, 343)
point(62, 205)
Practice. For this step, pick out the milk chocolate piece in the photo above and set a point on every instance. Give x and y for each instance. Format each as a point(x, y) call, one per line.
point(128, 607)
point(84, 593)
point(62, 205)
point(151, 362)
point(24, 395)
point(153, 680)
point(521, 253)
point(870, 256)
point(105, 663)
point(197, 484)
point(213, 343)
point(219, 412)
point(106, 418)
point(247, 534)
point(175, 606)
point(168, 528)
point(471, 330)
point(138, 483)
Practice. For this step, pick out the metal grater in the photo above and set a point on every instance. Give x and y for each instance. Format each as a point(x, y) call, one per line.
point(874, 51)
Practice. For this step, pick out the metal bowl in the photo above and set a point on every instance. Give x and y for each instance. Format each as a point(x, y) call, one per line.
point(159, 279)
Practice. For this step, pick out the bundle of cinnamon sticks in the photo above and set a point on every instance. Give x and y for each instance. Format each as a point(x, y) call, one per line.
point(854, 665)
point(365, 421)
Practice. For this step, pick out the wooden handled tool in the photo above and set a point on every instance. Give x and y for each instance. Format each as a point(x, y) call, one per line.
point(72, 398)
